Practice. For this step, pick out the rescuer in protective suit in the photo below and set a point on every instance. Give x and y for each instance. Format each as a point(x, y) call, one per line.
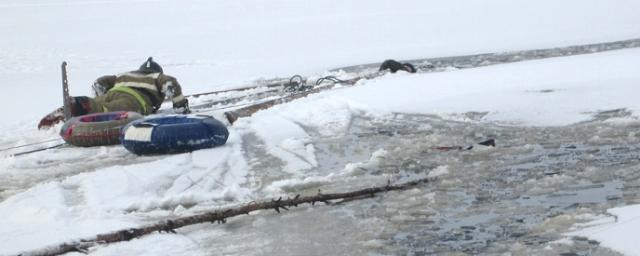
point(141, 90)
point(395, 66)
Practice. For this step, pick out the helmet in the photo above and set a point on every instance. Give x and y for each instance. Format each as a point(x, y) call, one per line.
point(392, 65)
point(409, 68)
point(150, 66)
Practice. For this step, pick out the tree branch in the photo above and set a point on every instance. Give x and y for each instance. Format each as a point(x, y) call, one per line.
point(219, 216)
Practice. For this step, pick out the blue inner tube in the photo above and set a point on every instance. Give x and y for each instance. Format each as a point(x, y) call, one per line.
point(173, 134)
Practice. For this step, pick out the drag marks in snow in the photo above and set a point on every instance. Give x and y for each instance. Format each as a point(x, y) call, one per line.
point(123, 196)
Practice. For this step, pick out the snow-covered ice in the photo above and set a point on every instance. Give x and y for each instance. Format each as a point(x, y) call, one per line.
point(616, 231)
point(213, 44)
point(69, 193)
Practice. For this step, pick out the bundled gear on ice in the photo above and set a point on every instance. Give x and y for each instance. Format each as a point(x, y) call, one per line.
point(142, 90)
point(394, 66)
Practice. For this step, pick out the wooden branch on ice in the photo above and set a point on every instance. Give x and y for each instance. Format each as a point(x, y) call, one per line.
point(219, 216)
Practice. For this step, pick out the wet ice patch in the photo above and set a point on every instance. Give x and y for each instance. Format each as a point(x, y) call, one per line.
point(186, 179)
point(438, 171)
point(351, 169)
point(328, 115)
point(354, 169)
point(294, 185)
point(22, 172)
point(155, 245)
point(287, 141)
point(41, 216)
point(547, 184)
point(623, 121)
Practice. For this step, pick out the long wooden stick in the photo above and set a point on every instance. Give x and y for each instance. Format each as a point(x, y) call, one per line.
point(219, 216)
point(65, 93)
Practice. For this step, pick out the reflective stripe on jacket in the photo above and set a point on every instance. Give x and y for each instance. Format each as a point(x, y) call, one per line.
point(135, 94)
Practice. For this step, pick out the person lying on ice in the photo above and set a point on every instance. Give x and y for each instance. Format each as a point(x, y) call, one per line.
point(141, 90)
point(395, 66)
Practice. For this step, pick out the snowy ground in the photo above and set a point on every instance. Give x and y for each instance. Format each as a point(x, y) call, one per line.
point(566, 128)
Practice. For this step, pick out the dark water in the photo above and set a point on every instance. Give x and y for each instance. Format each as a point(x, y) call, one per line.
point(518, 198)
point(486, 59)
point(524, 192)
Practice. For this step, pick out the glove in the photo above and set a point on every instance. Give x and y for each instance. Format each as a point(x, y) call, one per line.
point(182, 107)
point(99, 89)
point(409, 67)
point(51, 119)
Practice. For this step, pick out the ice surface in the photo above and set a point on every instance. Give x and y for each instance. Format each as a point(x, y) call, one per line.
point(517, 198)
point(619, 232)
point(214, 44)
point(96, 202)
